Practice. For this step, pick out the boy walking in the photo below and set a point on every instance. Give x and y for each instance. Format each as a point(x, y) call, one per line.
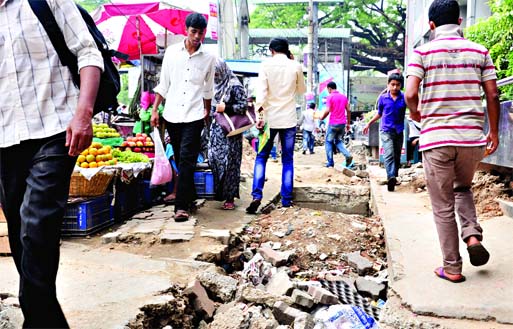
point(453, 70)
point(392, 108)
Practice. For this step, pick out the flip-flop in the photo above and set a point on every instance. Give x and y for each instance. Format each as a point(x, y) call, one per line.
point(181, 216)
point(253, 207)
point(478, 254)
point(228, 206)
point(439, 272)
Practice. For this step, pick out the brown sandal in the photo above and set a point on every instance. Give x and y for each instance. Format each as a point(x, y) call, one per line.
point(181, 216)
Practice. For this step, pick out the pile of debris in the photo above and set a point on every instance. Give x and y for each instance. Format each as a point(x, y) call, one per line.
point(10, 312)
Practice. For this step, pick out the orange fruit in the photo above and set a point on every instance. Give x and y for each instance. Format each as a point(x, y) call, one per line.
point(90, 158)
point(93, 165)
point(85, 152)
point(81, 158)
point(99, 158)
point(112, 162)
point(107, 156)
point(93, 151)
point(101, 164)
point(84, 165)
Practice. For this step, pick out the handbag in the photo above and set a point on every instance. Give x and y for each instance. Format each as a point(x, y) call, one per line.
point(236, 123)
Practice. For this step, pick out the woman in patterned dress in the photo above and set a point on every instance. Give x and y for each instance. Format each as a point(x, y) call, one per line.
point(225, 153)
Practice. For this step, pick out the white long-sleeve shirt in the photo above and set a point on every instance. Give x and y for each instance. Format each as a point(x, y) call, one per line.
point(39, 98)
point(279, 81)
point(185, 80)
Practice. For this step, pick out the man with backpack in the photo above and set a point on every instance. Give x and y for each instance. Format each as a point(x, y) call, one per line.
point(46, 123)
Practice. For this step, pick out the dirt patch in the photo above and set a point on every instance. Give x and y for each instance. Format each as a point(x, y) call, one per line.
point(319, 238)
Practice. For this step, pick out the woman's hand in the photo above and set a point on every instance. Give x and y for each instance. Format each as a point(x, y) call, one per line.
point(220, 107)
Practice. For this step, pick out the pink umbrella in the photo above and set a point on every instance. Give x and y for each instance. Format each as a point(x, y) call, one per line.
point(132, 28)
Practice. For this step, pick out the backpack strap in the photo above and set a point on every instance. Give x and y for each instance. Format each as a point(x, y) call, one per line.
point(47, 19)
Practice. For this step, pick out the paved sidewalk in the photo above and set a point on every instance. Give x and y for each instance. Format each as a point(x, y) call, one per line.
point(413, 254)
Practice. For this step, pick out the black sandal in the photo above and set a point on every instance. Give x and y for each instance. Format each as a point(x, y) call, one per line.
point(253, 207)
point(181, 216)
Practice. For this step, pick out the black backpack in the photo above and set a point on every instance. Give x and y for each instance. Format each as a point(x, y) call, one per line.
point(110, 85)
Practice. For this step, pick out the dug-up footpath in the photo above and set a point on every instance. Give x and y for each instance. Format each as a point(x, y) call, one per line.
point(316, 265)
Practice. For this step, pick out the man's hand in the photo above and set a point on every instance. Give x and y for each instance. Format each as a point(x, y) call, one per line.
point(260, 124)
point(220, 107)
point(415, 141)
point(79, 133)
point(366, 129)
point(492, 140)
point(348, 127)
point(154, 118)
point(415, 115)
point(206, 114)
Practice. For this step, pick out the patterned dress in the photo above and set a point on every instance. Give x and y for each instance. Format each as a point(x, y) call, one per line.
point(225, 153)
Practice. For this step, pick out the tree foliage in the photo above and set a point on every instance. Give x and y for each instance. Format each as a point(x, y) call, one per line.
point(91, 5)
point(377, 25)
point(496, 34)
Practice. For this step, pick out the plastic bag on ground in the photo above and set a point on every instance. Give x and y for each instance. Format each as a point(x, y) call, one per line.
point(344, 317)
point(162, 172)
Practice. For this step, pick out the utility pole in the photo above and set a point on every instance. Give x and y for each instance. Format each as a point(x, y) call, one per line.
point(312, 48)
point(244, 29)
point(226, 18)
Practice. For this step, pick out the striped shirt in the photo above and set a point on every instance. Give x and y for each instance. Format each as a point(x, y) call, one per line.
point(452, 69)
point(38, 95)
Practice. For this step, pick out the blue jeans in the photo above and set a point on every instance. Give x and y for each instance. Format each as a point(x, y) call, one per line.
point(335, 137)
point(308, 141)
point(287, 138)
point(392, 145)
point(34, 179)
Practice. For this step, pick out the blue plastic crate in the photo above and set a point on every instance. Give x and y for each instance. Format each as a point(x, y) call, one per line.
point(129, 199)
point(204, 182)
point(86, 217)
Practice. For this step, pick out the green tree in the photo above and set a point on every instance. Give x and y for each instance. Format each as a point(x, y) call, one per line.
point(377, 25)
point(496, 34)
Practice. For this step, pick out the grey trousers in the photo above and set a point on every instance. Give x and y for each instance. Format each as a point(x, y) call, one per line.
point(449, 171)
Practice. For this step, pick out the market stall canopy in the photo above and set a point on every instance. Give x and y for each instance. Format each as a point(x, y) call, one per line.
point(133, 28)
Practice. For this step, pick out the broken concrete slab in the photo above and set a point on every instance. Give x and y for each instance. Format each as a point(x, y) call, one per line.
point(371, 289)
point(111, 237)
point(147, 227)
point(304, 322)
point(280, 283)
point(359, 263)
point(276, 258)
point(222, 236)
point(322, 296)
point(172, 237)
point(340, 198)
point(229, 316)
point(254, 295)
point(221, 286)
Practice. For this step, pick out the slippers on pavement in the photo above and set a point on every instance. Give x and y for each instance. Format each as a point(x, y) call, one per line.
point(478, 254)
point(228, 206)
point(439, 272)
point(181, 216)
point(253, 207)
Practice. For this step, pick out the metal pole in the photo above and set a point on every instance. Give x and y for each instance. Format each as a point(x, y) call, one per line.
point(244, 29)
point(315, 46)
point(137, 26)
point(309, 48)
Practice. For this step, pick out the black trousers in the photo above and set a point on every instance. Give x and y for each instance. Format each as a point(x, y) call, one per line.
point(34, 181)
point(186, 142)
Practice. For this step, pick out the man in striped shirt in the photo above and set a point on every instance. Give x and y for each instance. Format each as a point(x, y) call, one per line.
point(45, 123)
point(452, 71)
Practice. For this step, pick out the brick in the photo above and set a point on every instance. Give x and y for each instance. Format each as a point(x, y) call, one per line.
point(369, 288)
point(286, 314)
point(276, 258)
point(201, 302)
point(322, 296)
point(361, 264)
point(279, 284)
point(220, 286)
point(302, 298)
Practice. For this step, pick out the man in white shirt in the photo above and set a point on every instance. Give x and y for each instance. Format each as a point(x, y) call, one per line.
point(308, 123)
point(46, 123)
point(280, 79)
point(187, 84)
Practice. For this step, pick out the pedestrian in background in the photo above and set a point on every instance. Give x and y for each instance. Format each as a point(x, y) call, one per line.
point(187, 84)
point(337, 107)
point(391, 109)
point(412, 144)
point(280, 79)
point(225, 153)
point(308, 123)
point(452, 71)
point(46, 123)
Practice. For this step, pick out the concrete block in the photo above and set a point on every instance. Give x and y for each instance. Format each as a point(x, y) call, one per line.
point(253, 295)
point(304, 322)
point(4, 245)
point(221, 286)
point(279, 284)
point(361, 264)
point(302, 298)
point(222, 236)
point(506, 207)
point(172, 237)
point(111, 237)
point(369, 288)
point(286, 314)
point(199, 296)
point(322, 296)
point(276, 258)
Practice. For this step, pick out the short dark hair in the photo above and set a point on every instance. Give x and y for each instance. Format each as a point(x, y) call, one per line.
point(332, 85)
point(196, 20)
point(311, 106)
point(280, 45)
point(442, 12)
point(396, 77)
